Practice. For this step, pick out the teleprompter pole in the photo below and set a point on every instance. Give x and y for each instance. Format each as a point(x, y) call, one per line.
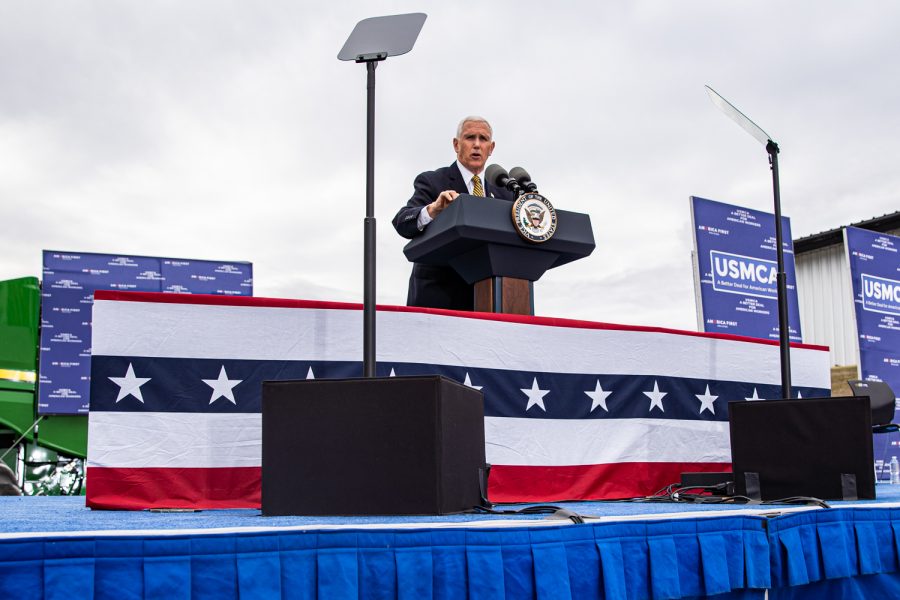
point(371, 41)
point(784, 334)
point(369, 229)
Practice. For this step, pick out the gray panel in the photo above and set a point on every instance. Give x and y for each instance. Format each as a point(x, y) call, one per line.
point(377, 38)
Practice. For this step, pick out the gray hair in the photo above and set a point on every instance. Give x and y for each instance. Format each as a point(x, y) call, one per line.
point(473, 119)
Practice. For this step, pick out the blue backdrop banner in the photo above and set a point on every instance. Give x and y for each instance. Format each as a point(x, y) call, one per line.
point(736, 267)
point(70, 279)
point(875, 275)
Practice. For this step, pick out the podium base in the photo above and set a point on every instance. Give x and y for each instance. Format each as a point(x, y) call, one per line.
point(504, 295)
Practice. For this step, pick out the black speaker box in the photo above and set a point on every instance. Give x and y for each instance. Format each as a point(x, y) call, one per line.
point(816, 447)
point(376, 446)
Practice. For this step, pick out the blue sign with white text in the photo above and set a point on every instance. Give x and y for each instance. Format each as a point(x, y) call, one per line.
point(880, 294)
point(67, 295)
point(745, 275)
point(875, 274)
point(737, 270)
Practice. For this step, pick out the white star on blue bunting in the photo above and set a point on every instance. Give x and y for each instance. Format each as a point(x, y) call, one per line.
point(468, 382)
point(656, 397)
point(129, 385)
point(706, 401)
point(598, 397)
point(222, 387)
point(535, 396)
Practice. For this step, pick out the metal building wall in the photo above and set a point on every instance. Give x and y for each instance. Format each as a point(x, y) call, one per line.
point(826, 302)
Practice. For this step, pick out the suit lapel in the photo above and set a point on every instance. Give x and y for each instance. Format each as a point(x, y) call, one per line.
point(457, 183)
point(456, 180)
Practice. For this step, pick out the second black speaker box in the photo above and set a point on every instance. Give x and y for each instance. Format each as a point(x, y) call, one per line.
point(816, 447)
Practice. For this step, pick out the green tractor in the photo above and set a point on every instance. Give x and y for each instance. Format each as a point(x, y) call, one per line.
point(43, 454)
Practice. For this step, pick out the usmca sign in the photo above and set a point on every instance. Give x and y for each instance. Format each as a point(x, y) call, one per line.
point(880, 294)
point(745, 275)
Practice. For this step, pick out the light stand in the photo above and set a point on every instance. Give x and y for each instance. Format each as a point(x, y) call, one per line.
point(784, 339)
point(372, 41)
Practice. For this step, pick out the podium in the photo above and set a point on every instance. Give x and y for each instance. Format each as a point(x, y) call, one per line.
point(476, 237)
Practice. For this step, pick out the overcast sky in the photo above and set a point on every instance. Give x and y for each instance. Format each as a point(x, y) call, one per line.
point(230, 131)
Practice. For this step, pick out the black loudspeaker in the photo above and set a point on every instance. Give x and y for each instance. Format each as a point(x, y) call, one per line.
point(881, 399)
point(817, 447)
point(377, 446)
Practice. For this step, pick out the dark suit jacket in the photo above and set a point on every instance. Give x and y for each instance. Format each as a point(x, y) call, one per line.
point(431, 286)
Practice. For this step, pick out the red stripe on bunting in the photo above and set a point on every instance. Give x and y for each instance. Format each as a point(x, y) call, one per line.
point(199, 488)
point(239, 487)
point(588, 482)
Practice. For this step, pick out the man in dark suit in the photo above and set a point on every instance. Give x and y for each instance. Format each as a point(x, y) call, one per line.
point(440, 287)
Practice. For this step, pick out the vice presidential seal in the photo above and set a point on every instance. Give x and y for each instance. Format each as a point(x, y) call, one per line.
point(534, 217)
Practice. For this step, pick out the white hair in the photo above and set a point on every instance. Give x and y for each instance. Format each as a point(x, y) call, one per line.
point(473, 119)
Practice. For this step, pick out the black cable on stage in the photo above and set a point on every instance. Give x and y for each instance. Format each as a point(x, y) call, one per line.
point(722, 493)
point(535, 509)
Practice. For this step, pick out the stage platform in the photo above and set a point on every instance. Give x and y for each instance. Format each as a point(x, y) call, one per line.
point(56, 548)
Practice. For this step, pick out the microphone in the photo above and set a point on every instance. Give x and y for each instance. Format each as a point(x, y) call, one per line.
point(497, 175)
point(524, 179)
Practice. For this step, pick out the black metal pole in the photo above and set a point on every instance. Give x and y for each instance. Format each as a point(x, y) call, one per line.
point(784, 333)
point(369, 234)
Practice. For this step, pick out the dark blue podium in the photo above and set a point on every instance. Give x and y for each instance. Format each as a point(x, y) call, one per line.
point(476, 237)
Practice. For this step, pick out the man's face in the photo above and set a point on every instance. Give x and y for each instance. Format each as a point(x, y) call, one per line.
point(474, 146)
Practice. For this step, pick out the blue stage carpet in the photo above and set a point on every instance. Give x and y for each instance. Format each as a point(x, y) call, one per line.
point(54, 547)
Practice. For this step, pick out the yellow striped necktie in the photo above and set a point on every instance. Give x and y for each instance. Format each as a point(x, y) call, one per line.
point(477, 190)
